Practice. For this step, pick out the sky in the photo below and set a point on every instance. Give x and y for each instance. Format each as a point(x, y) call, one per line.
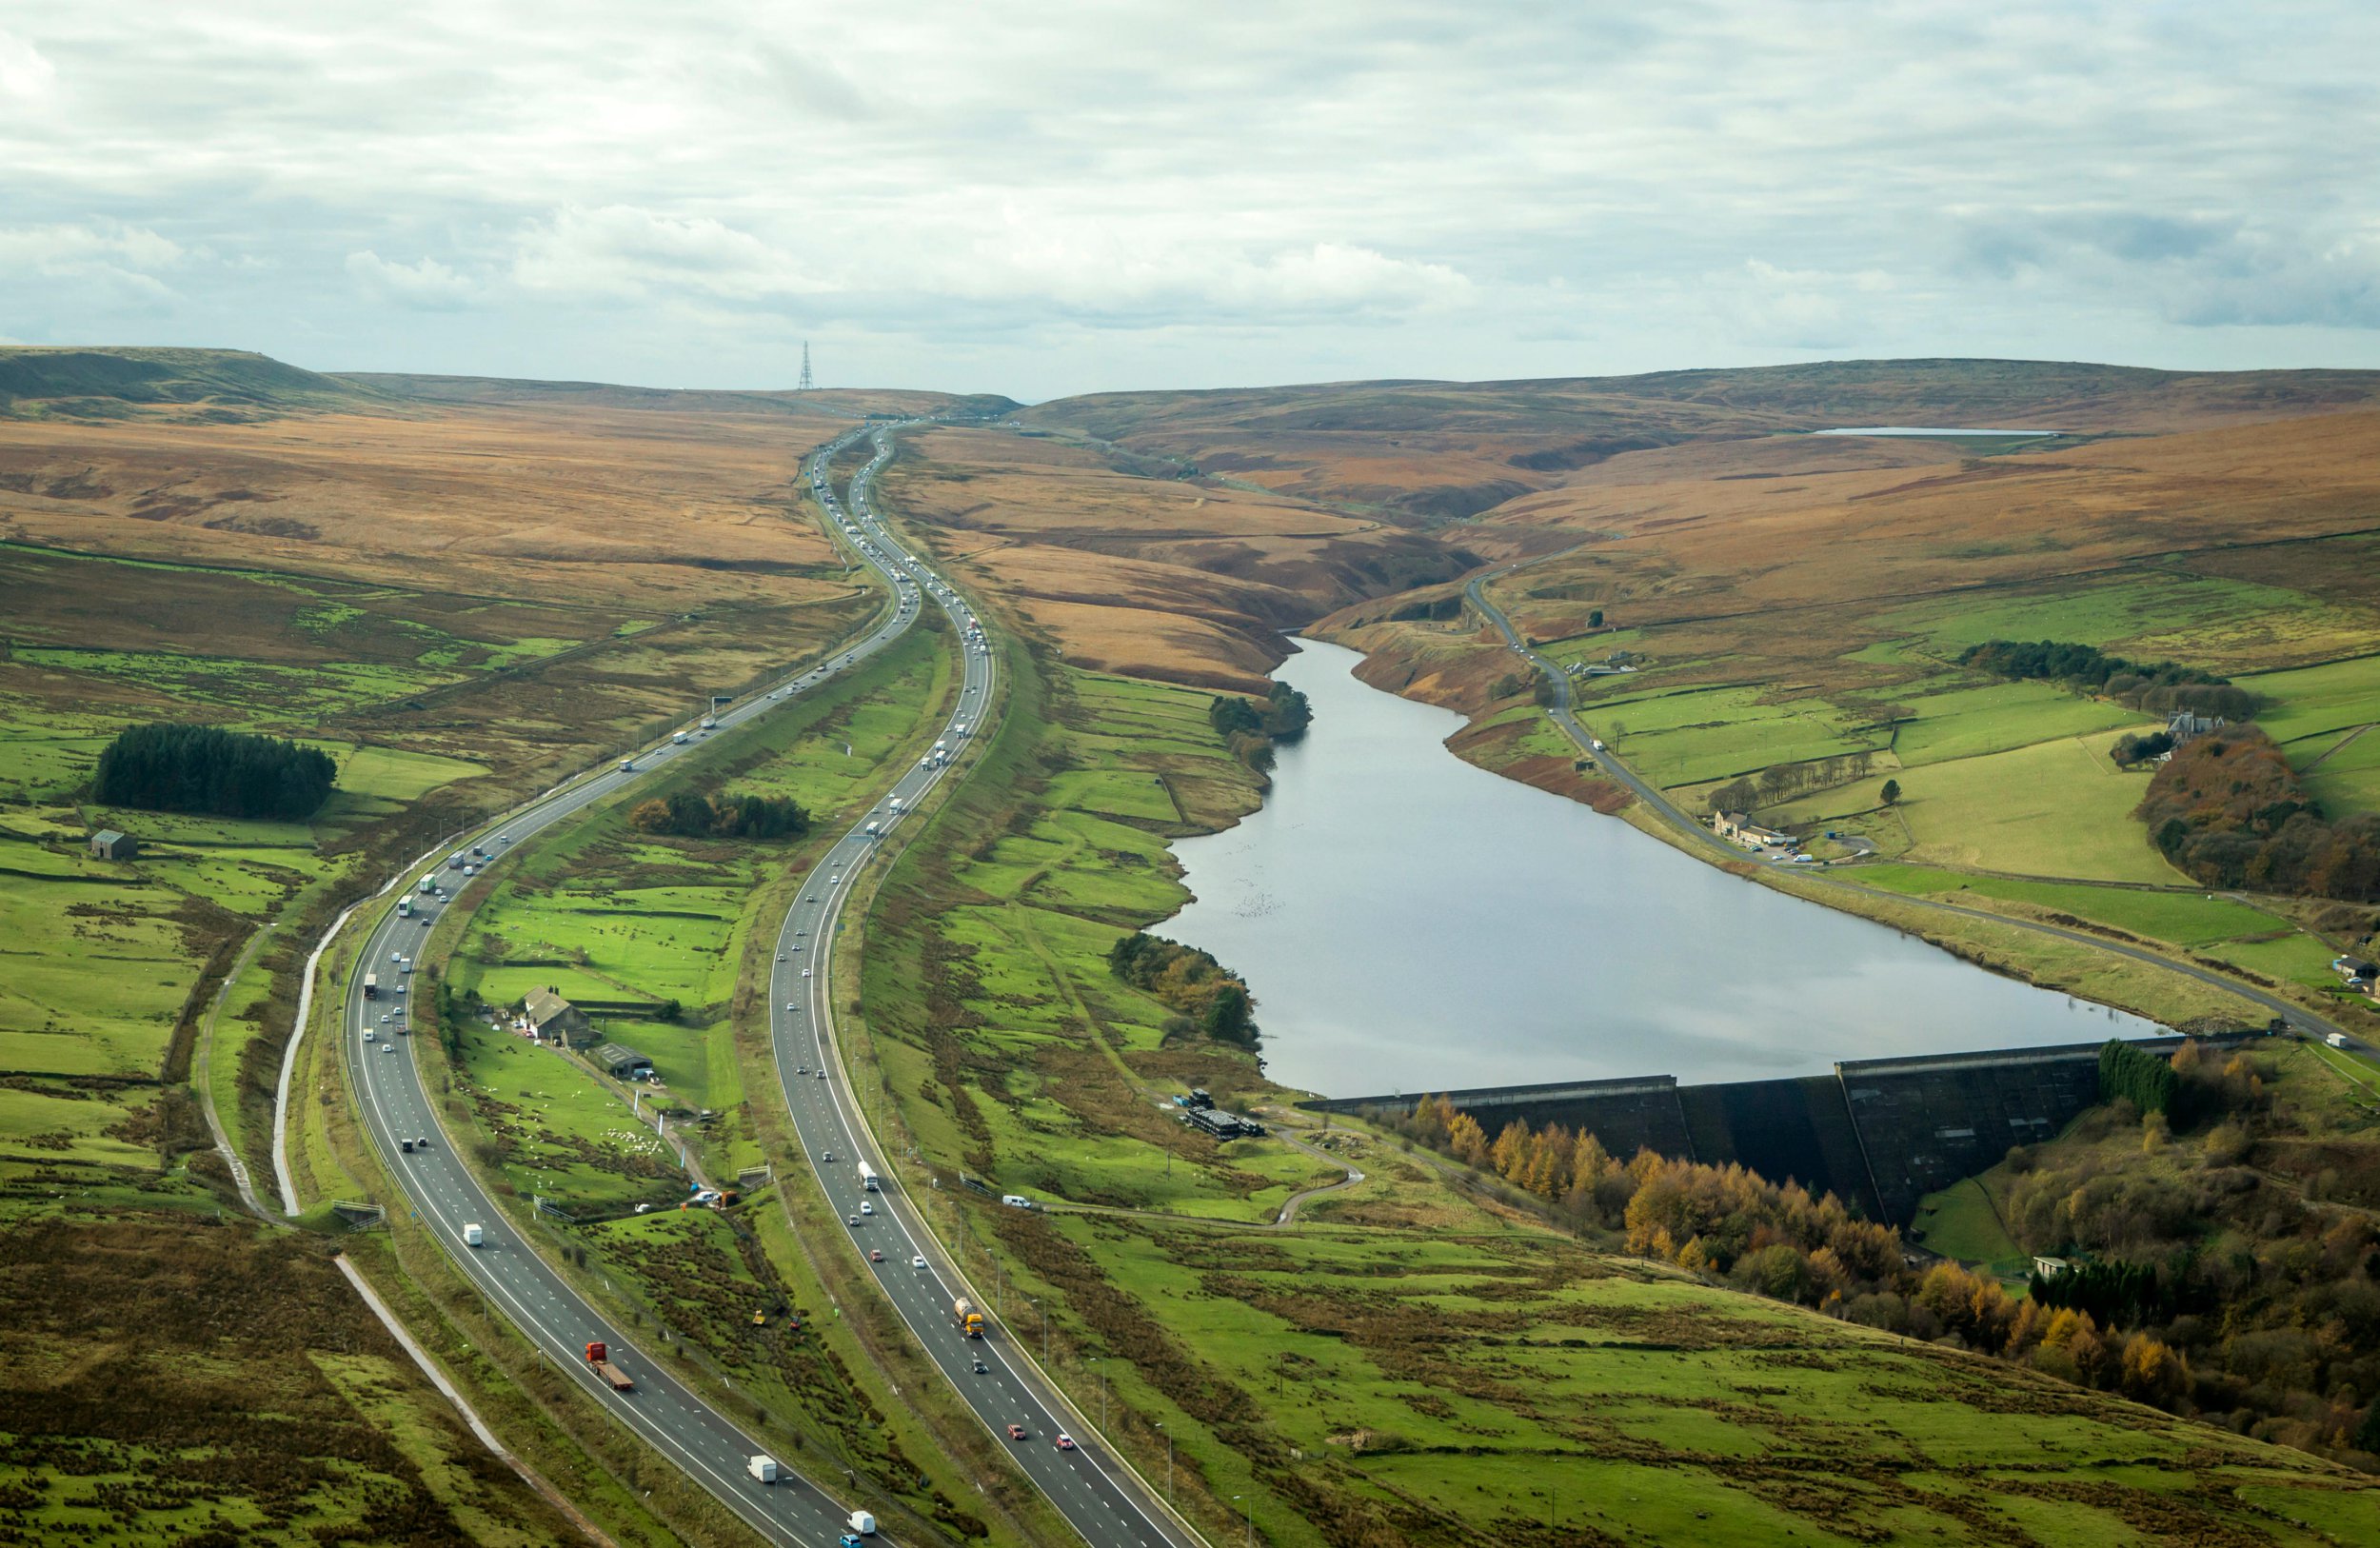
point(1067, 197)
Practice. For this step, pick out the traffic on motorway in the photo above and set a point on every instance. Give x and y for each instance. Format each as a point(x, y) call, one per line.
point(441, 1191)
point(1108, 1506)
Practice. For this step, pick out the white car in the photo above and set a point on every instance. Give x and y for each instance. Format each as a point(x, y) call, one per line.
point(805, 972)
point(918, 1261)
point(790, 1005)
point(865, 1209)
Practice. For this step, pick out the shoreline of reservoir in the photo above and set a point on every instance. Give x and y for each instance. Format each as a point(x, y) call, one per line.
point(1407, 919)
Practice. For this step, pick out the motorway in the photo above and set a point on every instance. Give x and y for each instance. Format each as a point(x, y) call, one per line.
point(1096, 1494)
point(1703, 841)
point(395, 1106)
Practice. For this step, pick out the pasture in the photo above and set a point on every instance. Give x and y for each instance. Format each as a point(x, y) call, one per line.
point(2058, 808)
point(623, 922)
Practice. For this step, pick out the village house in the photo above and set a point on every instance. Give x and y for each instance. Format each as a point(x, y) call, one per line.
point(2188, 725)
point(1738, 827)
point(553, 1017)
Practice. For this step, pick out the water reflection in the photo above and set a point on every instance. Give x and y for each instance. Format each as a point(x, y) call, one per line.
point(1409, 922)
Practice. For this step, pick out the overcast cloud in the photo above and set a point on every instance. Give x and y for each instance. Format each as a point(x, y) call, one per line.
point(1069, 196)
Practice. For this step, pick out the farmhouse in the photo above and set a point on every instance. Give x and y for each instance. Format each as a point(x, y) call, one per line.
point(550, 1015)
point(109, 844)
point(2354, 972)
point(2185, 726)
point(2050, 1268)
point(1740, 827)
point(622, 1062)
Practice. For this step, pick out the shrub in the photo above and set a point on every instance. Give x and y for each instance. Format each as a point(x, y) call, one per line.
point(690, 815)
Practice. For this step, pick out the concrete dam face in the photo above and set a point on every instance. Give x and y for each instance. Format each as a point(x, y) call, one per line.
point(1880, 1134)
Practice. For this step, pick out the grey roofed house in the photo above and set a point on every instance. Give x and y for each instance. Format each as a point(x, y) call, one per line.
point(550, 1015)
point(621, 1062)
point(109, 844)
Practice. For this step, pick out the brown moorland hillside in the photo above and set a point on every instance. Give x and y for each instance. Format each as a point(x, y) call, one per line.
point(1173, 579)
point(203, 385)
point(583, 503)
point(827, 402)
point(1424, 452)
point(1707, 557)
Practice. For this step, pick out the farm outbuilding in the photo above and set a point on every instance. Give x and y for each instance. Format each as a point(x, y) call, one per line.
point(622, 1062)
point(109, 844)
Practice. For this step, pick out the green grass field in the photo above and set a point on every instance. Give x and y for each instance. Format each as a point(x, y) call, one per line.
point(1699, 735)
point(1998, 717)
point(1961, 1222)
point(623, 922)
point(2055, 808)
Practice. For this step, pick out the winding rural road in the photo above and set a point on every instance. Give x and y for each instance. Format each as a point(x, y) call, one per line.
point(1702, 838)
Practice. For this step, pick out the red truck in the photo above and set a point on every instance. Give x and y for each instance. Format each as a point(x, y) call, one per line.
point(598, 1355)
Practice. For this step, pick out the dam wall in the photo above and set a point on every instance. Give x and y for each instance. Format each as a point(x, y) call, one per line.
point(1880, 1134)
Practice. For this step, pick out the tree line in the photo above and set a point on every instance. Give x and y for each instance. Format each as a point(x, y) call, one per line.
point(1732, 1226)
point(1206, 995)
point(2207, 1228)
point(2136, 1076)
point(175, 767)
point(1781, 783)
point(2160, 687)
point(689, 814)
point(2229, 811)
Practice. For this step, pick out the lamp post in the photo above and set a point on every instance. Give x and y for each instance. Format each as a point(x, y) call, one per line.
point(1169, 1463)
point(1036, 1304)
point(1251, 1499)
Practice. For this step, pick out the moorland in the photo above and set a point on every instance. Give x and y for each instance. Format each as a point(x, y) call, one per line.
point(461, 589)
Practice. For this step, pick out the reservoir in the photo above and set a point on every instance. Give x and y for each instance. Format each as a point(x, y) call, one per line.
point(1409, 922)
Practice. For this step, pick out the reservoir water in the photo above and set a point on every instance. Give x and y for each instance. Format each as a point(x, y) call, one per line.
point(1410, 923)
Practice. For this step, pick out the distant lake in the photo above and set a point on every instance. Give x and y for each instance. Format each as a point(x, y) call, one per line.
point(1408, 922)
point(1931, 432)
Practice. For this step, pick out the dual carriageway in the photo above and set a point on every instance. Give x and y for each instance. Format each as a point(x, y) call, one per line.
point(1100, 1497)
